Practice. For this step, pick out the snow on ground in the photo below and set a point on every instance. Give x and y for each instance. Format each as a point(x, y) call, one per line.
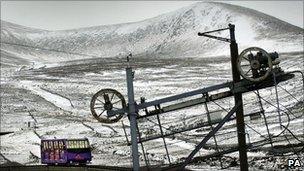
point(57, 101)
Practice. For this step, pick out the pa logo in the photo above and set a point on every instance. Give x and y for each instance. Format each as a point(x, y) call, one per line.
point(294, 163)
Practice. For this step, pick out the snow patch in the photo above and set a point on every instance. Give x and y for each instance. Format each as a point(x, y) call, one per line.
point(57, 100)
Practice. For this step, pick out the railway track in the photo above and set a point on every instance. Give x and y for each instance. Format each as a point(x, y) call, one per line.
point(85, 168)
point(62, 168)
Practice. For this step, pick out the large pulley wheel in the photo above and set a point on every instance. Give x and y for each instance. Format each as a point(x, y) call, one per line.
point(107, 100)
point(254, 64)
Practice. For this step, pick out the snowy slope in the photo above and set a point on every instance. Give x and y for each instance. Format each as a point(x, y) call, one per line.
point(39, 97)
point(169, 35)
point(55, 100)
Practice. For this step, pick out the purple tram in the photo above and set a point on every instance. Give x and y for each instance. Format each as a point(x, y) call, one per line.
point(65, 151)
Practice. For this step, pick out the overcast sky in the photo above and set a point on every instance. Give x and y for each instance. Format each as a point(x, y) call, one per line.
point(59, 15)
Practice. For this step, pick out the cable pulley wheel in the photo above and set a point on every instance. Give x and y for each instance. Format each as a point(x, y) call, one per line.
point(107, 100)
point(254, 64)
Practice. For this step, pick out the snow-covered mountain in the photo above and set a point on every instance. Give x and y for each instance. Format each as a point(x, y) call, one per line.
point(169, 35)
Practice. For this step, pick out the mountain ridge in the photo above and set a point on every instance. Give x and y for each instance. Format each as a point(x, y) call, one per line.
point(172, 34)
point(118, 24)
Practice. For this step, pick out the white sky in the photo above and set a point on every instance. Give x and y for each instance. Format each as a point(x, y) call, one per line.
point(59, 15)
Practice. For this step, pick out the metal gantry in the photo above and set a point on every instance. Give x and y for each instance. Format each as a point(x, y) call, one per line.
point(256, 74)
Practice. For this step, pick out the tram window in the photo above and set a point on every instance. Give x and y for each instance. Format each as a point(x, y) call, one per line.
point(44, 146)
point(60, 145)
point(56, 144)
point(70, 144)
point(73, 144)
point(76, 144)
point(81, 144)
point(86, 144)
point(50, 144)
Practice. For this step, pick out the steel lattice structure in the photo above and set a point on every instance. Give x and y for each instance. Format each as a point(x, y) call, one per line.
point(254, 65)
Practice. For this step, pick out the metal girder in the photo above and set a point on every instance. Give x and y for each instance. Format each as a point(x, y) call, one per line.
point(246, 86)
point(183, 95)
point(210, 134)
point(240, 87)
point(204, 124)
point(132, 118)
point(172, 98)
point(188, 103)
point(217, 38)
point(202, 34)
point(206, 34)
point(238, 99)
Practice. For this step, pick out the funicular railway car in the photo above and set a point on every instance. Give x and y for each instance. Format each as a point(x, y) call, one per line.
point(65, 151)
